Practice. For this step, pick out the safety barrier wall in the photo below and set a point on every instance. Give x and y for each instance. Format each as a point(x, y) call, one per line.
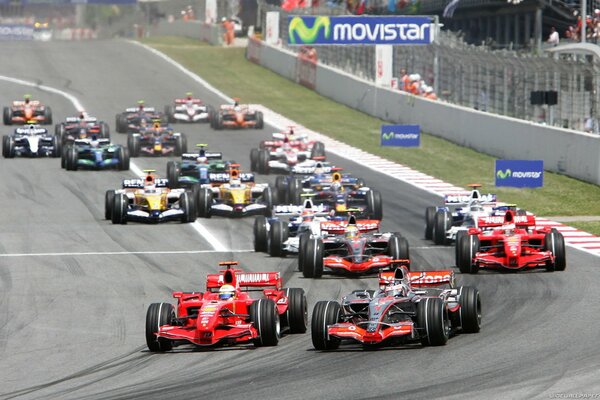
point(569, 152)
point(192, 29)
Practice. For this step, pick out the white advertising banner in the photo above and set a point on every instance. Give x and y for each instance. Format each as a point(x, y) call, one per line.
point(383, 64)
point(210, 12)
point(272, 20)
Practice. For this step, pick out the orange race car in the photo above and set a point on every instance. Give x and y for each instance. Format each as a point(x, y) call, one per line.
point(27, 111)
point(237, 116)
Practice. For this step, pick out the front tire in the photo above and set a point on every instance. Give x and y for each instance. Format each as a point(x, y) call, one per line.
point(278, 235)
point(296, 314)
point(433, 322)
point(442, 222)
point(324, 314)
point(159, 314)
point(374, 205)
point(264, 316)
point(109, 199)
point(429, 221)
point(313, 259)
point(119, 210)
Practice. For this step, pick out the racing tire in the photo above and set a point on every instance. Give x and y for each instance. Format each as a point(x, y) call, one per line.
point(72, 159)
point(173, 172)
point(7, 116)
point(313, 259)
point(267, 198)
point(264, 316)
point(296, 315)
point(169, 114)
point(119, 210)
point(254, 160)
point(180, 145)
point(260, 120)
point(318, 150)
point(467, 249)
point(302, 239)
point(211, 114)
point(459, 235)
point(8, 147)
point(324, 314)
point(59, 130)
point(442, 222)
point(123, 157)
point(554, 241)
point(56, 146)
point(398, 248)
point(109, 200)
point(158, 314)
point(429, 221)
point(47, 116)
point(263, 162)
point(204, 203)
point(469, 312)
point(278, 235)
point(133, 144)
point(261, 238)
point(186, 204)
point(294, 192)
point(433, 321)
point(104, 130)
point(374, 205)
point(218, 122)
point(121, 123)
point(281, 188)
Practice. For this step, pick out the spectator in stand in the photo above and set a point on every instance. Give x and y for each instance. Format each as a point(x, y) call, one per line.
point(554, 38)
point(404, 80)
point(429, 93)
point(415, 84)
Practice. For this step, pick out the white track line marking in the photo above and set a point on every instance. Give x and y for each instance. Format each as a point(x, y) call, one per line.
point(202, 230)
point(123, 253)
point(378, 164)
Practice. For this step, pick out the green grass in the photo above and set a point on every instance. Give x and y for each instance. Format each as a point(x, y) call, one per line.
point(587, 226)
point(228, 70)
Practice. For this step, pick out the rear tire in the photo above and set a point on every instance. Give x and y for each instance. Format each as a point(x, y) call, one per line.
point(313, 259)
point(442, 222)
point(278, 235)
point(429, 221)
point(398, 248)
point(374, 205)
point(303, 239)
point(7, 116)
point(180, 145)
point(267, 199)
point(47, 116)
point(109, 199)
point(254, 160)
point(260, 123)
point(123, 156)
point(173, 172)
point(432, 321)
point(294, 192)
point(133, 144)
point(159, 314)
point(324, 314)
point(281, 187)
point(260, 234)
point(264, 316)
point(263, 162)
point(470, 309)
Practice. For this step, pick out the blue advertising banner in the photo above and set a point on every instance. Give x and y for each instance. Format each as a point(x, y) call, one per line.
point(401, 135)
point(520, 173)
point(16, 32)
point(314, 30)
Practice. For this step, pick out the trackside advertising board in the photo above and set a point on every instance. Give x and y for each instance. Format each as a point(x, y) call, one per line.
point(16, 32)
point(520, 173)
point(401, 135)
point(327, 30)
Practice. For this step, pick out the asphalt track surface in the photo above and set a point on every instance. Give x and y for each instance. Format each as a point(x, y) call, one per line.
point(72, 326)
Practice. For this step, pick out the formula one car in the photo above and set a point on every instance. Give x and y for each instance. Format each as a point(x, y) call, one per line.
point(279, 237)
point(94, 153)
point(31, 141)
point(237, 116)
point(81, 127)
point(459, 213)
point(27, 112)
point(236, 198)
point(149, 200)
point(510, 242)
point(409, 307)
point(156, 140)
point(189, 109)
point(298, 141)
point(352, 246)
point(136, 118)
point(226, 314)
point(202, 168)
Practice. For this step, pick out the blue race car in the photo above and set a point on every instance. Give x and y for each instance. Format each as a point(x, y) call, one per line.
point(94, 153)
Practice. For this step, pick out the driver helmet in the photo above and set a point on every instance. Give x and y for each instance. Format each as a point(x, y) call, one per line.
point(141, 105)
point(94, 141)
point(351, 232)
point(319, 169)
point(398, 288)
point(143, 123)
point(336, 186)
point(188, 96)
point(307, 215)
point(27, 99)
point(226, 292)
point(509, 229)
point(476, 206)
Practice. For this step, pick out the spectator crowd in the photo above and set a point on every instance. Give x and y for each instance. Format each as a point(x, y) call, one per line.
point(413, 83)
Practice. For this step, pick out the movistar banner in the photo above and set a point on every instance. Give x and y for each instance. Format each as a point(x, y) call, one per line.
point(520, 173)
point(16, 32)
point(317, 30)
point(401, 135)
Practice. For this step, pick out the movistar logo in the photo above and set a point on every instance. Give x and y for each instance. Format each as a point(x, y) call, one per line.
point(306, 35)
point(388, 136)
point(504, 175)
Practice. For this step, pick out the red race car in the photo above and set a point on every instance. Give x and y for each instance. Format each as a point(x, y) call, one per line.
point(226, 314)
point(354, 246)
point(27, 112)
point(408, 307)
point(511, 242)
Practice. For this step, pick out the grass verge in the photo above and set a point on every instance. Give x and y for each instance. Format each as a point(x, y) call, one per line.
point(228, 70)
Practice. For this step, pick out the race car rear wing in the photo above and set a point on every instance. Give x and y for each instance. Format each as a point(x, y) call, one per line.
point(338, 227)
point(464, 199)
point(139, 183)
point(184, 101)
point(135, 109)
point(76, 119)
point(31, 131)
point(209, 156)
point(87, 141)
point(293, 209)
point(243, 280)
point(223, 177)
point(520, 221)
